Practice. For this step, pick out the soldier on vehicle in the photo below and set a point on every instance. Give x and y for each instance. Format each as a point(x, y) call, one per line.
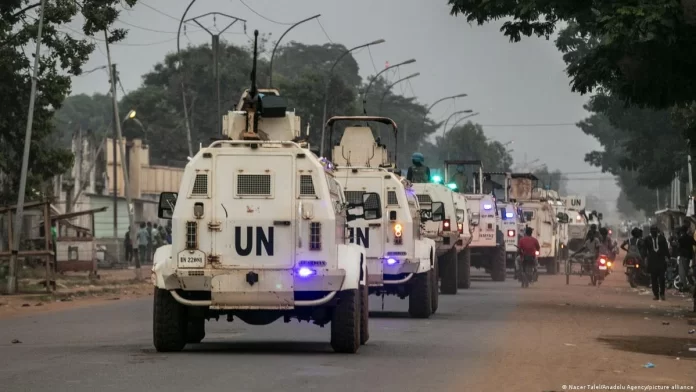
point(460, 179)
point(418, 173)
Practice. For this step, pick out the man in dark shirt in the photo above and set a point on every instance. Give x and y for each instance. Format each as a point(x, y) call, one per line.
point(686, 255)
point(657, 251)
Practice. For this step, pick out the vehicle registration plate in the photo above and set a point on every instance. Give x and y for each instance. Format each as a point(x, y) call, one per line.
point(191, 259)
point(602, 267)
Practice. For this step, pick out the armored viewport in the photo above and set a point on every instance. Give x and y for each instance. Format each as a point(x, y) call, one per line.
point(358, 146)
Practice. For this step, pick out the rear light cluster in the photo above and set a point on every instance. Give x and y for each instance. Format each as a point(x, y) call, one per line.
point(446, 225)
point(460, 228)
point(511, 233)
point(398, 234)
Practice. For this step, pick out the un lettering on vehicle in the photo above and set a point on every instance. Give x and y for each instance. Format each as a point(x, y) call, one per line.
point(359, 236)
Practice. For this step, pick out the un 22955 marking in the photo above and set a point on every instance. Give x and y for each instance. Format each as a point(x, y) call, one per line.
point(191, 259)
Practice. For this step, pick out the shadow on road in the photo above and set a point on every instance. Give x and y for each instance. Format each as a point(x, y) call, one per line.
point(389, 314)
point(652, 345)
point(263, 348)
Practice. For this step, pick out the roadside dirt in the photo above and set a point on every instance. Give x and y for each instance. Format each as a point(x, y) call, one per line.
point(75, 290)
point(578, 334)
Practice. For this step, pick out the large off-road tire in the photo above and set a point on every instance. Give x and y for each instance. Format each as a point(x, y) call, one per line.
point(498, 270)
point(364, 314)
point(420, 299)
point(435, 290)
point(464, 269)
point(169, 323)
point(551, 266)
point(448, 272)
point(345, 323)
point(195, 331)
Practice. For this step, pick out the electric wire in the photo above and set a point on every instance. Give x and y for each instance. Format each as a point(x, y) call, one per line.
point(324, 30)
point(264, 17)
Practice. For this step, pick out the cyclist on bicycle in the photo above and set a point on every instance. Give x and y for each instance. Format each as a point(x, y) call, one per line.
point(528, 247)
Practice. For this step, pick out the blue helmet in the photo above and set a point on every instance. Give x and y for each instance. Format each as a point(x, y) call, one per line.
point(417, 157)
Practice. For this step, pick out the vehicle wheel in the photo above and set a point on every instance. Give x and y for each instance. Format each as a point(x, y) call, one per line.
point(551, 266)
point(195, 331)
point(593, 280)
point(364, 314)
point(345, 323)
point(464, 269)
point(169, 322)
point(448, 272)
point(499, 272)
point(435, 290)
point(632, 280)
point(420, 299)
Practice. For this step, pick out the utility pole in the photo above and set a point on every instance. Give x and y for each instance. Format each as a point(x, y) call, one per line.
point(215, 47)
point(117, 126)
point(12, 277)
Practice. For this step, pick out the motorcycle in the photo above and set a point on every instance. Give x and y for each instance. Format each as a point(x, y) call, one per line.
point(635, 273)
point(523, 275)
point(600, 270)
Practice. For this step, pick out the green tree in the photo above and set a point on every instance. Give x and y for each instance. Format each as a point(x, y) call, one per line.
point(468, 142)
point(62, 56)
point(643, 51)
point(84, 112)
point(551, 179)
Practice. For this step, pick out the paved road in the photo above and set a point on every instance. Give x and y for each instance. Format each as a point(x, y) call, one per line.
point(108, 348)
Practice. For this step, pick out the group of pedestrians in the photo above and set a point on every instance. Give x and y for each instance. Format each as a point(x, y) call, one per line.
point(148, 238)
point(656, 253)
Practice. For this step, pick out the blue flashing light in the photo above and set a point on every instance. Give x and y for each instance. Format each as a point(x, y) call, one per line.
point(509, 215)
point(452, 186)
point(305, 272)
point(391, 261)
point(487, 206)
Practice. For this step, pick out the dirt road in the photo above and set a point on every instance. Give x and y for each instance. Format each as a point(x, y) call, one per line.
point(579, 334)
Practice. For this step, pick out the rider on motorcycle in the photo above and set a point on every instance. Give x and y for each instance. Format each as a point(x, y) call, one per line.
point(528, 247)
point(606, 244)
point(633, 246)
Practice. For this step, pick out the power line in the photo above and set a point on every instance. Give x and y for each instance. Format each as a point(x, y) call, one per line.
point(119, 44)
point(372, 59)
point(324, 30)
point(531, 125)
point(158, 11)
point(264, 17)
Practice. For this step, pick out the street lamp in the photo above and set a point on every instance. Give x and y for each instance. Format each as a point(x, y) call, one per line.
point(440, 100)
point(381, 101)
point(444, 129)
point(367, 90)
point(328, 81)
point(131, 116)
point(183, 86)
point(270, 65)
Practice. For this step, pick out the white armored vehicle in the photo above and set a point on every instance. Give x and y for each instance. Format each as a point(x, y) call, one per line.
point(401, 261)
point(452, 234)
point(487, 247)
point(258, 233)
point(539, 211)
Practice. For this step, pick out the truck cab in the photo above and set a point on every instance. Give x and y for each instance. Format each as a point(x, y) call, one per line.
point(258, 233)
point(401, 260)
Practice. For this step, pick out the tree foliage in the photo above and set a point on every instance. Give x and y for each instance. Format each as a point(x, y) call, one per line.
point(62, 56)
point(644, 51)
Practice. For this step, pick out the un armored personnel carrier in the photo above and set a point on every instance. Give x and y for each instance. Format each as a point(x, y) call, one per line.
point(258, 233)
point(401, 260)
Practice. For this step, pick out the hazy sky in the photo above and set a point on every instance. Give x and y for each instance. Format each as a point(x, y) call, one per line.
point(521, 83)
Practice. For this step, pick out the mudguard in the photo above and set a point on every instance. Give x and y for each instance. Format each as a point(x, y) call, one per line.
point(352, 259)
point(164, 269)
point(423, 249)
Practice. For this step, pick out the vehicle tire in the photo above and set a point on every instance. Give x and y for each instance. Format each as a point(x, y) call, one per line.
point(593, 280)
point(464, 269)
point(448, 272)
point(169, 322)
point(195, 331)
point(632, 280)
point(420, 299)
point(435, 290)
point(551, 267)
point(499, 271)
point(364, 314)
point(345, 323)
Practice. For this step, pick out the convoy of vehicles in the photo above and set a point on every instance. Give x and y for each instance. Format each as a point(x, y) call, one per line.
point(263, 229)
point(401, 260)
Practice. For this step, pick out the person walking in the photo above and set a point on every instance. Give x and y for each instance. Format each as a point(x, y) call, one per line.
point(657, 252)
point(128, 244)
point(143, 238)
